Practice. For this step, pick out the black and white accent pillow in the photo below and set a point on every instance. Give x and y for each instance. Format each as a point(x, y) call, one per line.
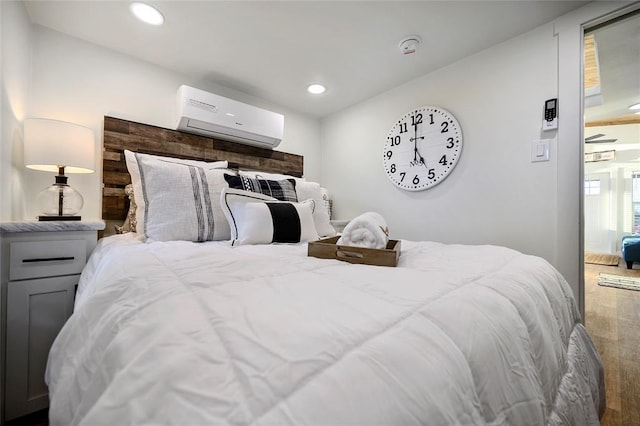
point(255, 218)
point(304, 190)
point(283, 190)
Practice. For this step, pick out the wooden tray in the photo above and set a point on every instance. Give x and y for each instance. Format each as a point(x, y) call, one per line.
point(328, 249)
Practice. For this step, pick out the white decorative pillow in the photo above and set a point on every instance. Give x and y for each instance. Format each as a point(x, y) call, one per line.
point(255, 218)
point(178, 199)
point(311, 190)
point(305, 190)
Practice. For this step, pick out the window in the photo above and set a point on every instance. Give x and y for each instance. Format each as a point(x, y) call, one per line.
point(592, 186)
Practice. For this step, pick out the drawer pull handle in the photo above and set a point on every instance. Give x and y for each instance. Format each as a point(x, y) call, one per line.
point(48, 259)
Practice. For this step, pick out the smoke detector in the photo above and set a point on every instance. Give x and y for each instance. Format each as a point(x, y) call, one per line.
point(409, 44)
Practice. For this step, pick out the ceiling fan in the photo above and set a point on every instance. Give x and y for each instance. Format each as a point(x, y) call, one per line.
point(596, 139)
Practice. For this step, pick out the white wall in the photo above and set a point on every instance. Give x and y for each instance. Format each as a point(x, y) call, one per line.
point(14, 94)
point(495, 195)
point(80, 82)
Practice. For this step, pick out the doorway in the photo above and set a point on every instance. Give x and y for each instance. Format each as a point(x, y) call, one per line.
point(611, 133)
point(611, 206)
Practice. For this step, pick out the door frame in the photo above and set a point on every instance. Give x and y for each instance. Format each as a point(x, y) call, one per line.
point(569, 31)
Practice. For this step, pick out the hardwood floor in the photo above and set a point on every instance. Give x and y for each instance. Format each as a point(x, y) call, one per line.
point(612, 317)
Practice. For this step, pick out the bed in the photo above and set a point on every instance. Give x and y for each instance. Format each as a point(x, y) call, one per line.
point(213, 332)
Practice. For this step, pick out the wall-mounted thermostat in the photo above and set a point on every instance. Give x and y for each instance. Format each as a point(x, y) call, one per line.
point(550, 120)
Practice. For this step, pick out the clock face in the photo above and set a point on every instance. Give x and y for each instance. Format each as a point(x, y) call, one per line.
point(422, 148)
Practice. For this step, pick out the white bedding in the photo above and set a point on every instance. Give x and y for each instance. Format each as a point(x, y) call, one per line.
point(204, 333)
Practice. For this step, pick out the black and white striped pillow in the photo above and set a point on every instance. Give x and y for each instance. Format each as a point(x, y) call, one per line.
point(283, 190)
point(255, 218)
point(178, 199)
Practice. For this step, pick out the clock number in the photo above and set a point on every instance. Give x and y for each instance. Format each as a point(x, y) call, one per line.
point(443, 160)
point(393, 168)
point(450, 144)
point(431, 121)
point(416, 180)
point(431, 174)
point(445, 127)
point(402, 174)
point(403, 128)
point(416, 119)
point(389, 154)
point(395, 141)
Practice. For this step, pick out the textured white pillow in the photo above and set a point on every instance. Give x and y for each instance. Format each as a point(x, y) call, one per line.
point(311, 191)
point(178, 199)
point(259, 219)
point(305, 190)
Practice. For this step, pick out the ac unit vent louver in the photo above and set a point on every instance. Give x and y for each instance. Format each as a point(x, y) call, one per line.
point(215, 116)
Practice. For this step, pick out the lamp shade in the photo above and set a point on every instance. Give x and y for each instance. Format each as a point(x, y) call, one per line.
point(49, 144)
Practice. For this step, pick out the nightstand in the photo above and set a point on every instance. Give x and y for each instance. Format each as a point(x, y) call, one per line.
point(41, 266)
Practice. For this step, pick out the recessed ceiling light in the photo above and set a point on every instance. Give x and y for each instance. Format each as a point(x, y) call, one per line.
point(316, 89)
point(147, 13)
point(634, 107)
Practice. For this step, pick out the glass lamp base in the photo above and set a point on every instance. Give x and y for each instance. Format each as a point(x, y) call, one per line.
point(59, 202)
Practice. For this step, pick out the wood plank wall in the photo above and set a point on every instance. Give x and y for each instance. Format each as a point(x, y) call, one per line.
point(122, 134)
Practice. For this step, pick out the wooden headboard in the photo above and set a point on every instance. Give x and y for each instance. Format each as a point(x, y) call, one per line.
point(122, 134)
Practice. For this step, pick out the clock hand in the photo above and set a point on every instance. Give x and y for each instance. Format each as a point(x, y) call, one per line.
point(416, 153)
point(415, 138)
point(415, 143)
point(421, 159)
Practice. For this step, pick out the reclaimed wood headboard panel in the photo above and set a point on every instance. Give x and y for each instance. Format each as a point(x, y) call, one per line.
point(122, 134)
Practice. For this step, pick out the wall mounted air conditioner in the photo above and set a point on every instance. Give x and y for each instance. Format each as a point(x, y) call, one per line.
point(215, 116)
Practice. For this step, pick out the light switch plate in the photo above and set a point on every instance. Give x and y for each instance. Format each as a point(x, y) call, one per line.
point(540, 150)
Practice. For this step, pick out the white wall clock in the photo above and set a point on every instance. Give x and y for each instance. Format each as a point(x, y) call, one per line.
point(422, 148)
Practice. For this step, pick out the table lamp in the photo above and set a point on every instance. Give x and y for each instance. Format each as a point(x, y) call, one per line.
point(58, 146)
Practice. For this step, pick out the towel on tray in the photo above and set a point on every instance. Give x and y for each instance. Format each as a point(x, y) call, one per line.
point(368, 230)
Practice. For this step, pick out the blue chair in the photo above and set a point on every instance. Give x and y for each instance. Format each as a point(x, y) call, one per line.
point(631, 249)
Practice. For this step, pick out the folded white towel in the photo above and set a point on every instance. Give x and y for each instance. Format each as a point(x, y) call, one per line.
point(367, 230)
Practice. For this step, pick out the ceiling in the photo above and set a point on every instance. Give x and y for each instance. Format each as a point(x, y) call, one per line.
point(274, 49)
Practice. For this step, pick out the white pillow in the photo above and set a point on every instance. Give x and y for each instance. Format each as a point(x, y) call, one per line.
point(305, 190)
point(311, 191)
point(178, 199)
point(259, 219)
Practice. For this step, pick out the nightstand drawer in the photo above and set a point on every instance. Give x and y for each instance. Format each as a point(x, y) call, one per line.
point(33, 259)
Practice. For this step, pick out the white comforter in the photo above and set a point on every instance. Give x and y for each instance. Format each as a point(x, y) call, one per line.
point(200, 334)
